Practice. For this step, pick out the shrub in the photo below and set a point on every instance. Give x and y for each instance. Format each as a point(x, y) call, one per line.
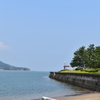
point(79, 68)
point(98, 69)
point(90, 70)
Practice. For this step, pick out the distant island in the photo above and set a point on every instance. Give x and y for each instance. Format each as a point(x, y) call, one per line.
point(4, 66)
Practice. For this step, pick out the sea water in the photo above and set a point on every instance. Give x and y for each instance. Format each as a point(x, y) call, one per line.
point(28, 85)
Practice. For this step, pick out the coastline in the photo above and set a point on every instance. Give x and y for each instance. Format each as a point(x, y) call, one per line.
point(83, 96)
point(89, 96)
point(83, 80)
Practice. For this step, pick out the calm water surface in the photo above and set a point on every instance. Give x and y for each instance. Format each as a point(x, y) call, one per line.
point(20, 85)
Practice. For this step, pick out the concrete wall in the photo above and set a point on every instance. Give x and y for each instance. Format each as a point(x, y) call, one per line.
point(84, 80)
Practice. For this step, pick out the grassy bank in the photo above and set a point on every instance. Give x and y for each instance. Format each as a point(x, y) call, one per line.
point(90, 70)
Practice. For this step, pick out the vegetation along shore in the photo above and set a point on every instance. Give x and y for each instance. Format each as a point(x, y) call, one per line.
point(87, 60)
point(86, 73)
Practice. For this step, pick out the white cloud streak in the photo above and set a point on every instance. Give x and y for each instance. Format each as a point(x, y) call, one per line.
point(3, 46)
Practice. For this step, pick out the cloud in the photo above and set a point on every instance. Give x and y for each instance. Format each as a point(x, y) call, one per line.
point(3, 46)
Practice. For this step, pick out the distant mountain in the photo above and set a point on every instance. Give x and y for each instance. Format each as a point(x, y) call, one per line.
point(4, 66)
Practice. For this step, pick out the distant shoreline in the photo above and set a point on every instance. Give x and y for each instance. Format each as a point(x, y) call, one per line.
point(15, 70)
point(4, 66)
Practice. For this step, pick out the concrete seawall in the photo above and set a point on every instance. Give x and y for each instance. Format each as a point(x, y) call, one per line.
point(84, 80)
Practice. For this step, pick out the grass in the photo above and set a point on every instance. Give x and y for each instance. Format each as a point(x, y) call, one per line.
point(81, 71)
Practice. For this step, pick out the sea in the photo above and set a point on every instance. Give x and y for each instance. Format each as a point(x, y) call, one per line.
point(30, 85)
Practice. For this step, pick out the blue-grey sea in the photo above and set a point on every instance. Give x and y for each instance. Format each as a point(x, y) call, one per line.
point(28, 85)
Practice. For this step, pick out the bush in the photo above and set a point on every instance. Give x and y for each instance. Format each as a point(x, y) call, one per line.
point(79, 68)
point(98, 69)
point(90, 70)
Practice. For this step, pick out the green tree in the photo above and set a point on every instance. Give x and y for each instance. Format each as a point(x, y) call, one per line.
point(78, 59)
point(90, 56)
point(87, 58)
point(97, 57)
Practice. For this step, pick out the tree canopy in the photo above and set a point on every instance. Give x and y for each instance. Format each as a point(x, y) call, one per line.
point(87, 57)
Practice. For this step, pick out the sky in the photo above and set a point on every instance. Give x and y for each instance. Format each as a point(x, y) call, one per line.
point(42, 34)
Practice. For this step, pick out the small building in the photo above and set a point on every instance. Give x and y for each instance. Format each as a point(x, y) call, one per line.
point(66, 66)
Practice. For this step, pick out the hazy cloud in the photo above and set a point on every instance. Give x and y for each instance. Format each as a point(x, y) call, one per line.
point(3, 46)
